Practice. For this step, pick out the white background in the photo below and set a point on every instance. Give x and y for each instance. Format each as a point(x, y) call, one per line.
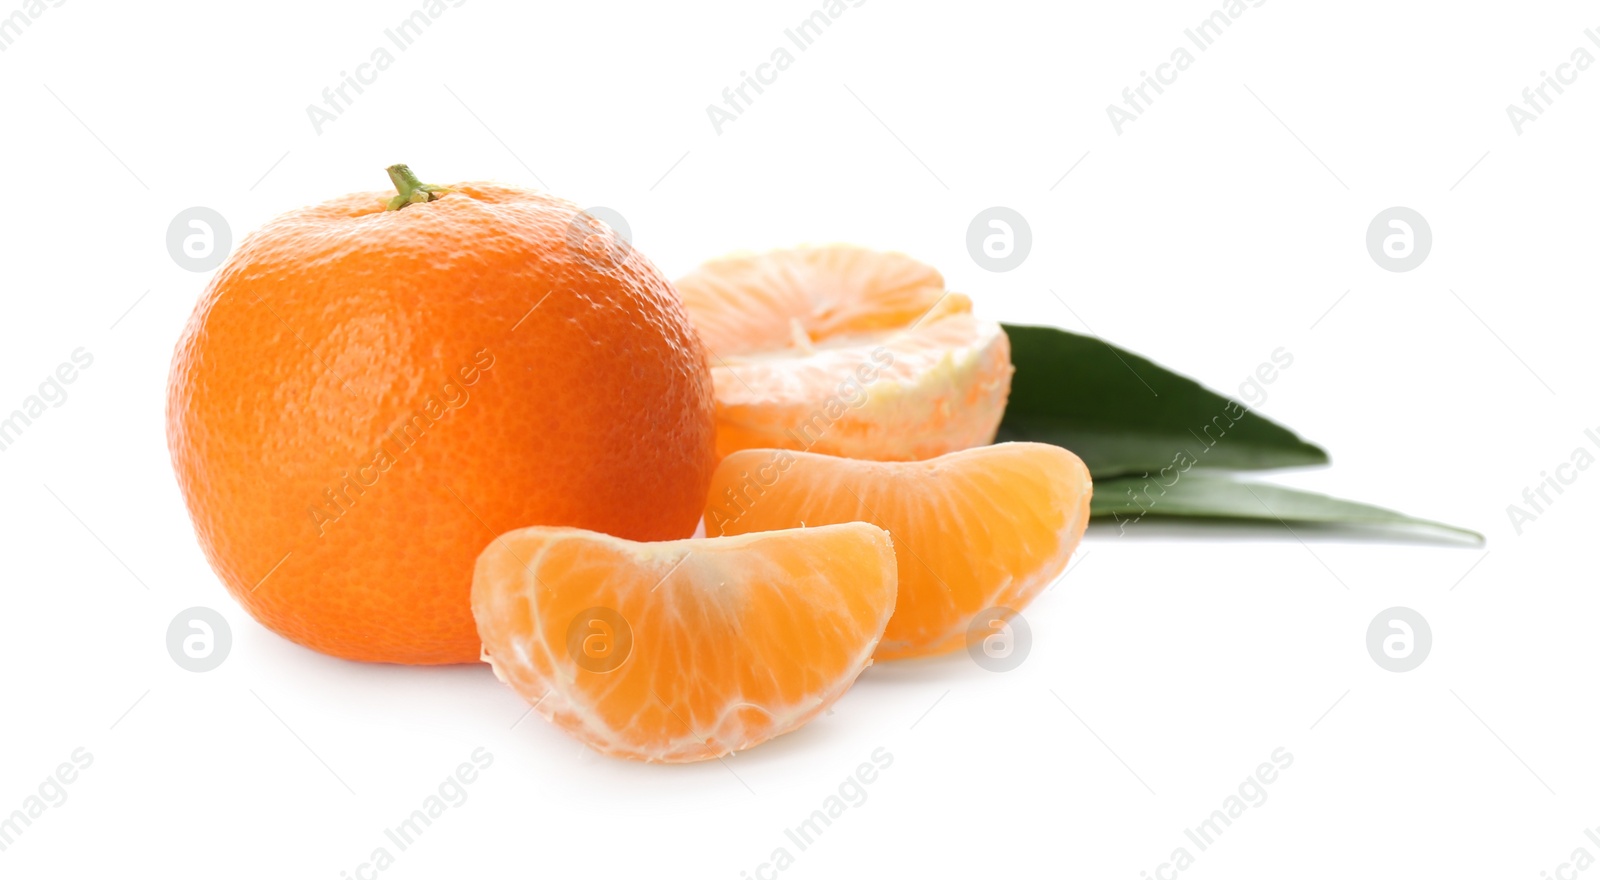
point(1168, 664)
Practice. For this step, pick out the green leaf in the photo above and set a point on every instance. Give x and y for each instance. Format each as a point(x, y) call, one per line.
point(1215, 497)
point(1123, 414)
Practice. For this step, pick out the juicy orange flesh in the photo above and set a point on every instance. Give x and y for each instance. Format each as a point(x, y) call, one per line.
point(734, 640)
point(845, 351)
point(906, 394)
point(981, 528)
point(898, 356)
point(756, 305)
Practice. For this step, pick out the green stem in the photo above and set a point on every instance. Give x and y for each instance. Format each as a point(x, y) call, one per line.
point(410, 189)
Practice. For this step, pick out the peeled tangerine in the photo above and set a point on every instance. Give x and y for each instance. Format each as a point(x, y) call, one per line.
point(985, 528)
point(683, 650)
point(846, 351)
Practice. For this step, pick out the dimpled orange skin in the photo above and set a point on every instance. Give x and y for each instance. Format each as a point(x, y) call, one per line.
point(557, 379)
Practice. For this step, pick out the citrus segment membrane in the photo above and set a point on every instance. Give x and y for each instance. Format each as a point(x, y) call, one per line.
point(973, 530)
point(683, 650)
point(846, 351)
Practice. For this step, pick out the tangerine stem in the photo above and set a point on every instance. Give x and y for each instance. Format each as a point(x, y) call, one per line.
point(410, 189)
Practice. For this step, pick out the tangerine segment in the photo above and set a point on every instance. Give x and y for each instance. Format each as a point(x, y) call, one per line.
point(683, 650)
point(973, 530)
point(846, 351)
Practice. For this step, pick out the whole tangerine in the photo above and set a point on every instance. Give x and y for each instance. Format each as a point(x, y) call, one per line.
point(372, 389)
